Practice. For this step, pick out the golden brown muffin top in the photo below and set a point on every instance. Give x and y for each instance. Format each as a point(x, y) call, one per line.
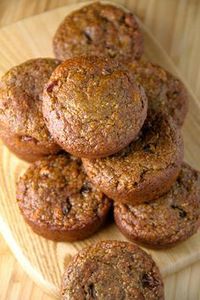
point(99, 29)
point(55, 192)
point(112, 270)
point(93, 107)
point(21, 91)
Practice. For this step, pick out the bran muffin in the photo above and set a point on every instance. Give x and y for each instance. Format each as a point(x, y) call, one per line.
point(164, 92)
point(58, 201)
point(22, 127)
point(168, 220)
point(93, 107)
point(112, 270)
point(100, 30)
point(145, 169)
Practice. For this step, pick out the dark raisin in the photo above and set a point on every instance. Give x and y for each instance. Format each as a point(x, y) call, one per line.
point(66, 206)
point(90, 291)
point(179, 180)
point(51, 86)
point(130, 268)
point(144, 171)
point(148, 281)
point(181, 211)
point(147, 148)
point(86, 188)
point(122, 20)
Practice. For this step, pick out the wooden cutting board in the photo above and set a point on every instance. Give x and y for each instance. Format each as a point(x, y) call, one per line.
point(45, 260)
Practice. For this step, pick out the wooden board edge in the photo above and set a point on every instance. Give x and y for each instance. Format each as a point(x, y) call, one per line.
point(24, 262)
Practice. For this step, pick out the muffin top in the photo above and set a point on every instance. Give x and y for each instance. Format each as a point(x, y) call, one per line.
point(146, 168)
point(93, 107)
point(112, 270)
point(99, 29)
point(165, 92)
point(55, 192)
point(21, 90)
point(148, 223)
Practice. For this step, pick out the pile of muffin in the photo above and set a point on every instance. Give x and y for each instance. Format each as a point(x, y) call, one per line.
point(102, 126)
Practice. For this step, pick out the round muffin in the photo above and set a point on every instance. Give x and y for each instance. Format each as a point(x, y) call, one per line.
point(170, 219)
point(93, 107)
point(164, 92)
point(22, 127)
point(58, 201)
point(145, 169)
point(112, 270)
point(100, 30)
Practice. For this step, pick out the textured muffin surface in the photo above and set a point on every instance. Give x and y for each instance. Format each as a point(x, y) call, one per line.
point(168, 220)
point(146, 168)
point(57, 199)
point(93, 107)
point(165, 92)
point(99, 29)
point(22, 125)
point(112, 270)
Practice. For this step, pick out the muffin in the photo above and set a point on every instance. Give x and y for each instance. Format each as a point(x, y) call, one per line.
point(22, 127)
point(165, 92)
point(172, 218)
point(112, 270)
point(100, 30)
point(93, 107)
point(146, 168)
point(58, 201)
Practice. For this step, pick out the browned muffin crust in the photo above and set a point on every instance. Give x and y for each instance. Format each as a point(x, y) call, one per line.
point(170, 219)
point(58, 201)
point(22, 127)
point(145, 169)
point(99, 29)
point(92, 106)
point(164, 92)
point(112, 270)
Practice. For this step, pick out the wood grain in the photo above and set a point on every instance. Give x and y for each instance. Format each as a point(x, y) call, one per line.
point(15, 284)
point(192, 159)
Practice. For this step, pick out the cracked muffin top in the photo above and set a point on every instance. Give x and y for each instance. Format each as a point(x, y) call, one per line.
point(165, 92)
point(93, 107)
point(148, 223)
point(146, 168)
point(58, 200)
point(112, 270)
point(99, 29)
point(21, 90)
